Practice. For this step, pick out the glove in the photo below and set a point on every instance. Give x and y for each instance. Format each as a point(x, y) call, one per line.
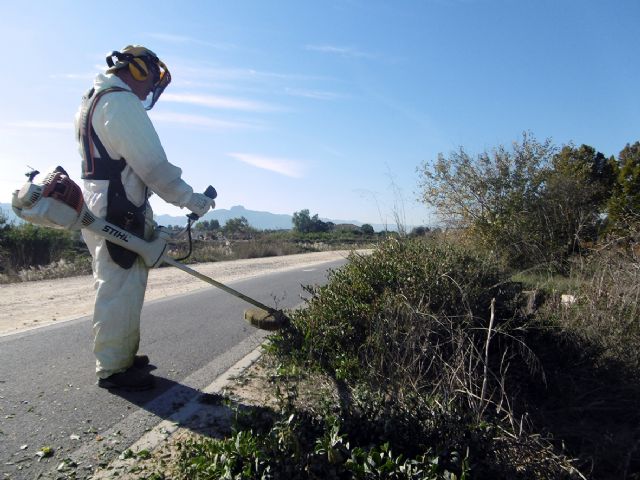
point(200, 204)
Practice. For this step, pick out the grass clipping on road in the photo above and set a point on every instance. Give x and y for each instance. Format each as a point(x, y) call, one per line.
point(420, 361)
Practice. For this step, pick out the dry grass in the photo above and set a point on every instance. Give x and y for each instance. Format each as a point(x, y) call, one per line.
point(61, 269)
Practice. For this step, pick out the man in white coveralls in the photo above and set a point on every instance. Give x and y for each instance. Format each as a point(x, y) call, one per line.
point(123, 162)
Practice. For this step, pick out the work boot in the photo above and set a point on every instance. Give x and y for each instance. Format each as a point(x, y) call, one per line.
point(129, 380)
point(140, 361)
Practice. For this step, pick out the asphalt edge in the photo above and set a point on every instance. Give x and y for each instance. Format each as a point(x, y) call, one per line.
point(163, 431)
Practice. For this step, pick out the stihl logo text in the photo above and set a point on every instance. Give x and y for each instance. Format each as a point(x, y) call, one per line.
point(116, 233)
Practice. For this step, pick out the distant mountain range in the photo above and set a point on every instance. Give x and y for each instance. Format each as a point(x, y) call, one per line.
point(258, 220)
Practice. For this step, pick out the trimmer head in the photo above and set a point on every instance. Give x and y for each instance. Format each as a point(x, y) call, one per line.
point(269, 320)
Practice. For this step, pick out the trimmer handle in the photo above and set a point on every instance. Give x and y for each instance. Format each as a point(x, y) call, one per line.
point(209, 192)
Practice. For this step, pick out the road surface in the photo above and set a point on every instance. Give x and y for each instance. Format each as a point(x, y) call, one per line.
point(48, 397)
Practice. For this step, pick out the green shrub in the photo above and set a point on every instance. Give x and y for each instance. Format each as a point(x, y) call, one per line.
point(406, 331)
point(302, 448)
point(418, 337)
point(432, 279)
point(29, 245)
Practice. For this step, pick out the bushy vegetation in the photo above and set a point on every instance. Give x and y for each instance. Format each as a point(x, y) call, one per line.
point(444, 373)
point(30, 252)
point(410, 334)
point(534, 204)
point(509, 350)
point(399, 280)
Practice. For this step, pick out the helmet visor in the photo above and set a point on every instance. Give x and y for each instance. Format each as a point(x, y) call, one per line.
point(161, 79)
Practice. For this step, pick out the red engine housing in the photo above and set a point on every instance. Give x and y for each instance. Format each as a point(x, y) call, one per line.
point(59, 186)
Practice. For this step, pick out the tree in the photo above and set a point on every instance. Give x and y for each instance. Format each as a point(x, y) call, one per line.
point(367, 229)
point(624, 205)
point(208, 225)
point(420, 231)
point(533, 204)
point(238, 225)
point(577, 189)
point(494, 196)
point(301, 221)
point(304, 223)
point(590, 168)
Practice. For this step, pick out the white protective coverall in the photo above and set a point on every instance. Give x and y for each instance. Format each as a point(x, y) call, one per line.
point(122, 124)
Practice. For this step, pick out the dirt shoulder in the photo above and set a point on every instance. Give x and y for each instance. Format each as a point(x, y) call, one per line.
point(28, 305)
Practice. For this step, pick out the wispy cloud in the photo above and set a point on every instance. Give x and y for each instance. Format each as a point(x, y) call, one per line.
point(73, 76)
point(201, 121)
point(221, 74)
point(283, 166)
point(185, 39)
point(216, 101)
point(37, 125)
point(314, 94)
point(346, 52)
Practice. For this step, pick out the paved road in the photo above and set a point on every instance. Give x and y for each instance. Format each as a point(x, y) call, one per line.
point(48, 395)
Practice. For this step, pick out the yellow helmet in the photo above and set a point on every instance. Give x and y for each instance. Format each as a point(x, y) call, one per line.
point(141, 63)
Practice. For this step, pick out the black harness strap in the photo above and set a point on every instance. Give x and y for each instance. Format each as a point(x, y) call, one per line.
point(103, 167)
point(120, 211)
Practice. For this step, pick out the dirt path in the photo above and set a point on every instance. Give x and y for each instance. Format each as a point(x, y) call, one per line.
point(28, 305)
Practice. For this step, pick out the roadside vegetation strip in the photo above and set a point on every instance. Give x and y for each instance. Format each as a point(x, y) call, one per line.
point(427, 389)
point(401, 333)
point(30, 253)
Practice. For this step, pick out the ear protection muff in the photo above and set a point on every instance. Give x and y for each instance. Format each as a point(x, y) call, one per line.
point(137, 66)
point(138, 69)
point(142, 64)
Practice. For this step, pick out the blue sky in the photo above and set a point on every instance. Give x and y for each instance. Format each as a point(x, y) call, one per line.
point(327, 105)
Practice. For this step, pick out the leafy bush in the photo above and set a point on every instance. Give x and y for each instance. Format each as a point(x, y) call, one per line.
point(300, 447)
point(343, 317)
point(410, 333)
point(418, 338)
point(531, 204)
point(30, 245)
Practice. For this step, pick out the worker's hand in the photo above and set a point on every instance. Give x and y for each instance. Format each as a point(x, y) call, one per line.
point(200, 204)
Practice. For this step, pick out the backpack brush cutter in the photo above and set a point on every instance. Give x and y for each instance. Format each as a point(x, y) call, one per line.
point(58, 203)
